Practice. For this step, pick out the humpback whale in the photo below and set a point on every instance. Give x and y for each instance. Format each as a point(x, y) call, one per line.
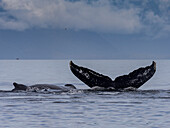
point(36, 87)
point(133, 80)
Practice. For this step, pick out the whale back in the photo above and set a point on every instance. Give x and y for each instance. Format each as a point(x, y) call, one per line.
point(54, 87)
point(41, 87)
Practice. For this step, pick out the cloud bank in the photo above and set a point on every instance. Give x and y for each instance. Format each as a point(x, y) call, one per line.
point(113, 16)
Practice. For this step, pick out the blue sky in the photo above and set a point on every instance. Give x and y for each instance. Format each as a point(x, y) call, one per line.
point(85, 29)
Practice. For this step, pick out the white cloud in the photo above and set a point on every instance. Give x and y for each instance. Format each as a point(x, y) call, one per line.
point(6, 23)
point(100, 16)
point(13, 25)
point(157, 18)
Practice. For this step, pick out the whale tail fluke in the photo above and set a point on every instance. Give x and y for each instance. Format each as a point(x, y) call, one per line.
point(154, 65)
point(19, 86)
point(90, 77)
point(136, 78)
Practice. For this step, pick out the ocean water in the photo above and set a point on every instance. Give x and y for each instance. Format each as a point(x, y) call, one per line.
point(148, 107)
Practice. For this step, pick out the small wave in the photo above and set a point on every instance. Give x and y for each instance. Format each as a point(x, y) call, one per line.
point(59, 102)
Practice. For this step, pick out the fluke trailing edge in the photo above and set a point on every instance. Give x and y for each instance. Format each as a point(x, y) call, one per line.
point(134, 79)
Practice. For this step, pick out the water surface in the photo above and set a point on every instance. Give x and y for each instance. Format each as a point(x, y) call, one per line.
point(146, 107)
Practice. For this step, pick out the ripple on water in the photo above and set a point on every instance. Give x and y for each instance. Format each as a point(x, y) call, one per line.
point(141, 108)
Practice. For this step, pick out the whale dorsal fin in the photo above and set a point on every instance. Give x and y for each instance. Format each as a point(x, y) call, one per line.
point(70, 86)
point(19, 86)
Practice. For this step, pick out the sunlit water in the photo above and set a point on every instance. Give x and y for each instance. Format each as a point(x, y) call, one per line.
point(147, 107)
